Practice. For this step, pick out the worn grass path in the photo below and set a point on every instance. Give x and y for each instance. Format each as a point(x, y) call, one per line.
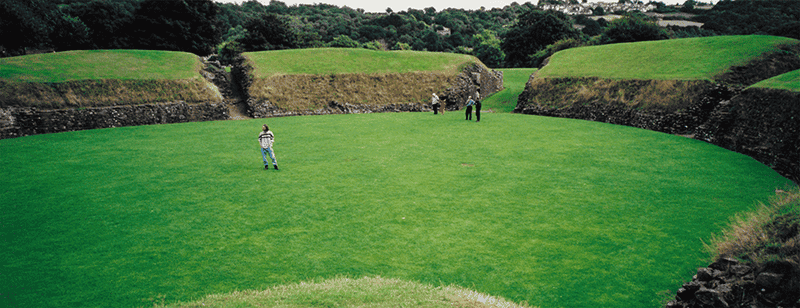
point(553, 212)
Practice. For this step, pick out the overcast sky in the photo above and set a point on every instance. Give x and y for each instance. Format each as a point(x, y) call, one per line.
point(404, 5)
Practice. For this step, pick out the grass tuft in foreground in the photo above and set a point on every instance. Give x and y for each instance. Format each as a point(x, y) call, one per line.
point(346, 292)
point(771, 233)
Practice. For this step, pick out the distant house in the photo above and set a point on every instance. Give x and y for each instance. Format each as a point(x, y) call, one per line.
point(679, 23)
point(588, 8)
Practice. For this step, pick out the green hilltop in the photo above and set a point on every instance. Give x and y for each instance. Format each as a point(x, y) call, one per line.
point(96, 78)
point(100, 64)
point(321, 61)
point(677, 59)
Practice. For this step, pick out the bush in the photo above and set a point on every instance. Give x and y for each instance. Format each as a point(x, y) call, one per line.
point(373, 45)
point(632, 28)
point(344, 41)
point(401, 46)
point(538, 58)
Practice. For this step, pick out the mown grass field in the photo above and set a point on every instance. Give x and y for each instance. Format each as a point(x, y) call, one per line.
point(552, 212)
point(678, 59)
point(100, 64)
point(789, 81)
point(326, 61)
point(514, 80)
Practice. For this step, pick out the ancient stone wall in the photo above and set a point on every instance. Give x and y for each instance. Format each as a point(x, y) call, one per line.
point(17, 122)
point(728, 283)
point(472, 80)
point(760, 123)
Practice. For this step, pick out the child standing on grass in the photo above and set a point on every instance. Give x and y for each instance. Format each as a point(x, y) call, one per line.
point(266, 138)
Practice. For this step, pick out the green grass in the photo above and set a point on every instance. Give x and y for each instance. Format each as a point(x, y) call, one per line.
point(100, 64)
point(679, 59)
point(514, 80)
point(321, 61)
point(552, 212)
point(347, 292)
point(789, 81)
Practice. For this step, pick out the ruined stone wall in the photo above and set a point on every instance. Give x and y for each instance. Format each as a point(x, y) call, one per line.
point(760, 123)
point(356, 93)
point(18, 122)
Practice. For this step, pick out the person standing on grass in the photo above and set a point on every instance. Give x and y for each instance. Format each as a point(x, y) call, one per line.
point(470, 102)
point(478, 108)
point(266, 138)
point(435, 103)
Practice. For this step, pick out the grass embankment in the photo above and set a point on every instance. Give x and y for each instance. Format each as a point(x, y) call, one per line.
point(102, 78)
point(678, 59)
point(514, 80)
point(552, 212)
point(666, 76)
point(308, 79)
point(769, 234)
point(789, 81)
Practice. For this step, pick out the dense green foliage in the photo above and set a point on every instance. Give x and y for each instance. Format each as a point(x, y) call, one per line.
point(202, 27)
point(678, 59)
point(781, 18)
point(534, 31)
point(555, 212)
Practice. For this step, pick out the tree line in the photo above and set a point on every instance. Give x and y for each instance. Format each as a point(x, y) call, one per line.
point(517, 35)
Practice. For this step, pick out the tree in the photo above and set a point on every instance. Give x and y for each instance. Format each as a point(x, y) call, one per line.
point(535, 30)
point(632, 28)
point(181, 25)
point(109, 23)
point(25, 25)
point(70, 33)
point(488, 49)
point(267, 32)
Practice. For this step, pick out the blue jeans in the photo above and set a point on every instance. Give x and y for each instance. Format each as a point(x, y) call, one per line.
point(271, 156)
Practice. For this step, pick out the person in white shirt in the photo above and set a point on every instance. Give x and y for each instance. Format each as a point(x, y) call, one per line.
point(266, 138)
point(435, 103)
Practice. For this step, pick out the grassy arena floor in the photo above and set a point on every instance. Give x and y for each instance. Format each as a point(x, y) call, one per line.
point(553, 212)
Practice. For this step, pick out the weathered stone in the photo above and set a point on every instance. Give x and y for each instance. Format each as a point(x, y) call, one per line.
point(769, 280)
point(705, 274)
point(32, 121)
point(723, 264)
point(710, 297)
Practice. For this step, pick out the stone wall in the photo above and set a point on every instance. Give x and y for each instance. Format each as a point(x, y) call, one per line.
point(17, 122)
point(761, 123)
point(728, 283)
point(473, 79)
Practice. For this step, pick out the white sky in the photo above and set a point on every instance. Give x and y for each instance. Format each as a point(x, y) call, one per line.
point(404, 5)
